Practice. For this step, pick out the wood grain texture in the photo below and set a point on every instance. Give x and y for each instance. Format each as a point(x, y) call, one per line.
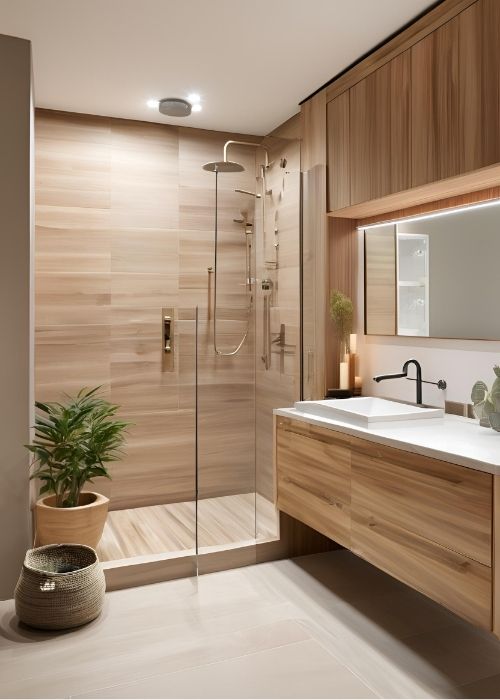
point(161, 529)
point(429, 207)
point(313, 126)
point(124, 215)
point(435, 106)
point(479, 55)
point(315, 243)
point(424, 521)
point(460, 584)
point(404, 40)
point(314, 483)
point(380, 131)
point(338, 141)
point(487, 178)
point(444, 503)
point(380, 281)
point(342, 256)
point(496, 556)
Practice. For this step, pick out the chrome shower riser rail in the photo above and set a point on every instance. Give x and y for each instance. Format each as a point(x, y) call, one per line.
point(229, 353)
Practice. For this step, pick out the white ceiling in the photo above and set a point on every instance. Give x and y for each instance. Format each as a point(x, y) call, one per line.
point(251, 61)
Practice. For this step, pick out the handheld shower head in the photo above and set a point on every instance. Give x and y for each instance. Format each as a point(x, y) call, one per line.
point(252, 194)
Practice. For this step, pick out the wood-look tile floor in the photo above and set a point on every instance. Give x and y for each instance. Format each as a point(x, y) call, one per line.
point(171, 528)
point(327, 625)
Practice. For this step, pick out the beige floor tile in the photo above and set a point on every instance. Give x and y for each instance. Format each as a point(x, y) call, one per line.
point(301, 670)
point(343, 619)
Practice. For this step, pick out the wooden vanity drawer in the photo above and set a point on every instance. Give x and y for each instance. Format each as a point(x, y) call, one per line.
point(460, 584)
point(444, 503)
point(314, 482)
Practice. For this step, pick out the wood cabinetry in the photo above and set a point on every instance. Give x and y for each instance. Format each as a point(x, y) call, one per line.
point(434, 105)
point(427, 114)
point(380, 131)
point(424, 521)
point(479, 69)
point(460, 584)
point(313, 475)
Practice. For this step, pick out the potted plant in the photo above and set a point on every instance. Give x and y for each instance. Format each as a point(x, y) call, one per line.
point(342, 315)
point(73, 443)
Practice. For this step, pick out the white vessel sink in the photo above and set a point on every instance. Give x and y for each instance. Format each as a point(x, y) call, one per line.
point(366, 410)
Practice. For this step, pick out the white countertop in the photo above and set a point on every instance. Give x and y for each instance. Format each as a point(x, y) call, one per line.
point(451, 438)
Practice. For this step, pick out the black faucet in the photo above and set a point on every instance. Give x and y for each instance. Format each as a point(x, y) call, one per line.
point(403, 374)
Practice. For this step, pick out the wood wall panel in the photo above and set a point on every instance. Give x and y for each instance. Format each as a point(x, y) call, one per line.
point(315, 244)
point(342, 252)
point(124, 215)
point(337, 128)
point(380, 281)
point(435, 105)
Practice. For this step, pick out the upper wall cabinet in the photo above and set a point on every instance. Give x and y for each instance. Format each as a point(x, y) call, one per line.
point(380, 131)
point(479, 56)
point(434, 105)
point(337, 128)
point(429, 113)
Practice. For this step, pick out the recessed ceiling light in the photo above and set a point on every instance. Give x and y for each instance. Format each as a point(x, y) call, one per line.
point(194, 98)
point(196, 108)
point(153, 104)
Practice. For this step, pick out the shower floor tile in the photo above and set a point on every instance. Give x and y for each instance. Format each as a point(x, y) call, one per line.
point(171, 527)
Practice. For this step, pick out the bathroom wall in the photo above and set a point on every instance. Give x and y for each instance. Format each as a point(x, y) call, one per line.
point(279, 385)
point(459, 362)
point(16, 351)
point(124, 227)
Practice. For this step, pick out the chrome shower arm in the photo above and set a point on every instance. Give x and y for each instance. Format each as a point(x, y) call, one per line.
point(246, 143)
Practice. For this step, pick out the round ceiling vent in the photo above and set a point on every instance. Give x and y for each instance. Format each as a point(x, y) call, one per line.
point(175, 107)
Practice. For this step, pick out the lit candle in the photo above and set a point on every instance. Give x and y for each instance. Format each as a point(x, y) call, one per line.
point(344, 375)
point(352, 343)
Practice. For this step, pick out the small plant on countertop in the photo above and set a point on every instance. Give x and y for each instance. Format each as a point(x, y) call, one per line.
point(342, 315)
point(487, 403)
point(73, 443)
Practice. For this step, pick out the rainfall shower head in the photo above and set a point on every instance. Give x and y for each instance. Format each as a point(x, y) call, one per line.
point(223, 166)
point(252, 194)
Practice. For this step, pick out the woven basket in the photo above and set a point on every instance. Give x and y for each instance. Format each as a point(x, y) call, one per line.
point(61, 586)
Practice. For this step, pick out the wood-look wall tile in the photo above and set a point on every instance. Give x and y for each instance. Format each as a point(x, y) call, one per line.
point(147, 251)
point(159, 462)
point(72, 250)
point(69, 358)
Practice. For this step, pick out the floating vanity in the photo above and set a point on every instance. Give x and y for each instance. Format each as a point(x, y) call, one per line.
point(416, 497)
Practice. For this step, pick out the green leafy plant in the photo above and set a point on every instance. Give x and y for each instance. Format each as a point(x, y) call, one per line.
point(342, 314)
point(486, 403)
point(73, 443)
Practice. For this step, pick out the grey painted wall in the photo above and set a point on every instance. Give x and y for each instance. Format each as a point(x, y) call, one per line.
point(16, 341)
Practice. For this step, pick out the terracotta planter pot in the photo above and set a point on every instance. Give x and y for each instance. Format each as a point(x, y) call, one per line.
point(80, 525)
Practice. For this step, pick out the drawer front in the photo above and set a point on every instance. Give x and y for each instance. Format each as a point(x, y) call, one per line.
point(314, 483)
point(444, 503)
point(458, 583)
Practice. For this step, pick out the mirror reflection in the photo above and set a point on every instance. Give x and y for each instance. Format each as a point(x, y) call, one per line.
point(435, 276)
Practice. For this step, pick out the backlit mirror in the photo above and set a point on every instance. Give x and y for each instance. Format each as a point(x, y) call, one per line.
point(435, 276)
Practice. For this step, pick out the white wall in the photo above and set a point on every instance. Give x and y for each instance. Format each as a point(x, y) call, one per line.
point(459, 362)
point(16, 337)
